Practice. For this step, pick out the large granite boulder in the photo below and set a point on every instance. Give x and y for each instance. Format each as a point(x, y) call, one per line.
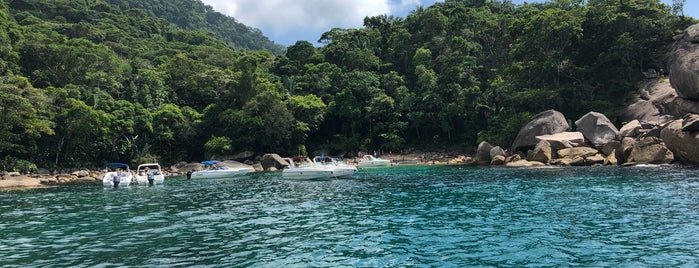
point(497, 151)
point(690, 122)
point(577, 152)
point(497, 160)
point(19, 181)
point(544, 123)
point(597, 128)
point(483, 153)
point(542, 152)
point(681, 106)
point(656, 98)
point(524, 163)
point(631, 129)
point(651, 150)
point(626, 147)
point(614, 150)
point(683, 64)
point(563, 140)
point(684, 144)
point(273, 161)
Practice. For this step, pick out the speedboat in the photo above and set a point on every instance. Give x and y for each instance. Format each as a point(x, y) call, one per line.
point(340, 169)
point(370, 161)
point(306, 171)
point(145, 173)
point(117, 175)
point(214, 169)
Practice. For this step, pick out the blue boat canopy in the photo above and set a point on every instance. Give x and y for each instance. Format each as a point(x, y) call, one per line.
point(210, 162)
point(117, 165)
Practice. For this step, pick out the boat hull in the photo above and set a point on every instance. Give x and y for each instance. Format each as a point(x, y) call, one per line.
point(307, 174)
point(124, 180)
point(374, 163)
point(228, 173)
point(342, 172)
point(143, 180)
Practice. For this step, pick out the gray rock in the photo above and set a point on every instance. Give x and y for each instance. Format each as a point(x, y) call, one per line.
point(684, 144)
point(651, 150)
point(690, 122)
point(513, 158)
point(613, 149)
point(542, 152)
point(483, 153)
point(563, 140)
point(544, 123)
point(683, 65)
point(524, 163)
point(626, 148)
point(273, 160)
point(652, 132)
point(611, 159)
point(577, 152)
point(597, 128)
point(657, 97)
point(630, 129)
point(681, 106)
point(595, 160)
point(497, 151)
point(497, 160)
point(691, 34)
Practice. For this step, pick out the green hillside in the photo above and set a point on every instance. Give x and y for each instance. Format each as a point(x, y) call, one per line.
point(86, 82)
point(194, 15)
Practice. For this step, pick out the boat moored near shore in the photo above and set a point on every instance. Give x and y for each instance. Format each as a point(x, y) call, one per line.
point(117, 175)
point(149, 174)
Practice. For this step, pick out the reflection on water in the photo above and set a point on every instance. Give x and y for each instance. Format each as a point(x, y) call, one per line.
point(399, 216)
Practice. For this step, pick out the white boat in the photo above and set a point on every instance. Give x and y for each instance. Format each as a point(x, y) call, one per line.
point(147, 172)
point(369, 161)
point(117, 175)
point(340, 169)
point(213, 169)
point(307, 171)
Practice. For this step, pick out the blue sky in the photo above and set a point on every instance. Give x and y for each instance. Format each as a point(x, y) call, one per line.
point(287, 21)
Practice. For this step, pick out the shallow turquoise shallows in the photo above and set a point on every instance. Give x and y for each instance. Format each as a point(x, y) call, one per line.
point(420, 216)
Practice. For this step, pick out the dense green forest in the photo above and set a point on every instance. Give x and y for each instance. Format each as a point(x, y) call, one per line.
point(86, 82)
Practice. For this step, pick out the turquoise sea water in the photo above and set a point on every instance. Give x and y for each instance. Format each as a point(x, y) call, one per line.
point(419, 216)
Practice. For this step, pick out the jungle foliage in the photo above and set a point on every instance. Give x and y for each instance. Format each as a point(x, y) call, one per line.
point(86, 82)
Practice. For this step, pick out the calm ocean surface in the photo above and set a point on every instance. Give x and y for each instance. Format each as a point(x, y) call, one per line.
point(418, 216)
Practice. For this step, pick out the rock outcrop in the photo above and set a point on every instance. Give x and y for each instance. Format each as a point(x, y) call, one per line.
point(544, 123)
point(597, 128)
point(563, 140)
point(273, 161)
point(19, 181)
point(657, 99)
point(483, 153)
point(651, 150)
point(683, 64)
point(684, 144)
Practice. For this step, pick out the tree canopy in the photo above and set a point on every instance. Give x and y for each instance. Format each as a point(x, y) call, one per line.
point(86, 82)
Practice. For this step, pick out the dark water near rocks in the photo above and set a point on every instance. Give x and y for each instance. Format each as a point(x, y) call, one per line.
point(403, 216)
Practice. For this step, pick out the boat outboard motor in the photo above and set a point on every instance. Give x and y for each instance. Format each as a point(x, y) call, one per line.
point(151, 179)
point(116, 180)
point(189, 174)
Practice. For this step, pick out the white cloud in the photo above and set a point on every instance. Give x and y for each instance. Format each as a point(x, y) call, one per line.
point(286, 21)
point(279, 16)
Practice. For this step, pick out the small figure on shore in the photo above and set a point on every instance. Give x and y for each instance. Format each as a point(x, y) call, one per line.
point(189, 174)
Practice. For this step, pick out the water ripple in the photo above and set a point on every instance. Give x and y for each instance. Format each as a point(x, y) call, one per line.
point(404, 216)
